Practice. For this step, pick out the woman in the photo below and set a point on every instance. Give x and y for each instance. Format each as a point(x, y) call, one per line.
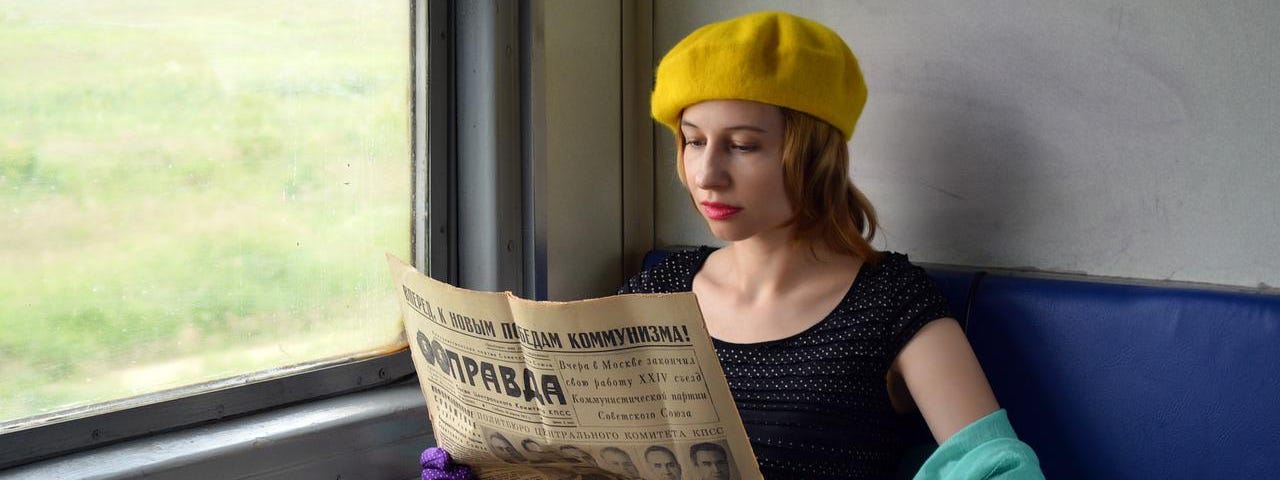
point(823, 339)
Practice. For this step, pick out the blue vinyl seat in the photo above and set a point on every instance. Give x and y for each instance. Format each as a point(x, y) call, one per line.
point(1110, 380)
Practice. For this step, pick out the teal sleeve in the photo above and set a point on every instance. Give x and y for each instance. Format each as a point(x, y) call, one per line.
point(985, 449)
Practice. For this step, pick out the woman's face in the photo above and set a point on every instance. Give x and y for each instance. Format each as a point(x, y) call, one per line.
point(733, 166)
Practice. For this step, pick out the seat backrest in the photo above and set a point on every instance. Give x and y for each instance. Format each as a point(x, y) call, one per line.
point(1107, 380)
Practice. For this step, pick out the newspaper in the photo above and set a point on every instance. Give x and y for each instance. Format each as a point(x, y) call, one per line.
point(622, 387)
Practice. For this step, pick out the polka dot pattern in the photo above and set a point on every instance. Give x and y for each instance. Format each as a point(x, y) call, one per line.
point(815, 404)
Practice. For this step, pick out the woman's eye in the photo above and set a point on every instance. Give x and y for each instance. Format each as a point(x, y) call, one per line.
point(695, 142)
point(745, 148)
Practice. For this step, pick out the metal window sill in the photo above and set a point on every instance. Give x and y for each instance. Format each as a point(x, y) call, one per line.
point(374, 434)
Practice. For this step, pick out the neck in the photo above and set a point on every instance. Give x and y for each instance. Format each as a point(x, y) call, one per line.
point(768, 266)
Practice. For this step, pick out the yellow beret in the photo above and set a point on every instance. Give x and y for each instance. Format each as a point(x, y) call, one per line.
point(767, 57)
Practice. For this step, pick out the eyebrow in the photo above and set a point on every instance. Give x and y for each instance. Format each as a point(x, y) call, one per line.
point(735, 127)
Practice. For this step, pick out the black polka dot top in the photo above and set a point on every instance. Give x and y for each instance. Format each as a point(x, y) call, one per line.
point(815, 404)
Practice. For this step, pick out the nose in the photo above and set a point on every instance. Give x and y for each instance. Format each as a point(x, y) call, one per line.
point(711, 173)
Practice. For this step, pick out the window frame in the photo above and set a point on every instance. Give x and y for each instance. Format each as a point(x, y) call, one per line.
point(487, 65)
point(34, 439)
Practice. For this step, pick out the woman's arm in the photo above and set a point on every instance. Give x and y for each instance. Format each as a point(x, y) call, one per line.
point(944, 378)
point(975, 440)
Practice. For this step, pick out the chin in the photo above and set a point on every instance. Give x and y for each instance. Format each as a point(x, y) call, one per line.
point(737, 231)
point(726, 233)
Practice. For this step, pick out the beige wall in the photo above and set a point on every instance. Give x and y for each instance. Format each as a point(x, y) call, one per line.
point(578, 98)
point(591, 156)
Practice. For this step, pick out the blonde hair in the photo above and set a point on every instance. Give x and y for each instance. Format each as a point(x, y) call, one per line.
point(828, 208)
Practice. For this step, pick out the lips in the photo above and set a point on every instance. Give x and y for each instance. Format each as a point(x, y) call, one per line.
point(719, 211)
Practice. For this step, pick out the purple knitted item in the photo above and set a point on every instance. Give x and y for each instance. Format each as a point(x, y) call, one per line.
point(436, 465)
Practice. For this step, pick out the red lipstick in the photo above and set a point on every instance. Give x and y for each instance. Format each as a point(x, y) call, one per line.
point(719, 211)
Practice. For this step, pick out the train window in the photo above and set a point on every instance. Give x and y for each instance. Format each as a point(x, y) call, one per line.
point(193, 191)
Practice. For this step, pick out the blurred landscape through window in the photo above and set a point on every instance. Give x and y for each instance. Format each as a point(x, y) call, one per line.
point(194, 190)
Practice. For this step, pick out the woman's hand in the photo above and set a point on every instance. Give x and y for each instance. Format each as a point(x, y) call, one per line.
point(438, 465)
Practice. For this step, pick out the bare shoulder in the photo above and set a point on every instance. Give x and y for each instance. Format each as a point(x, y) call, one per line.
point(715, 269)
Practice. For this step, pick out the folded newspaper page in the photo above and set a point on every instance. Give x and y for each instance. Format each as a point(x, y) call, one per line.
point(622, 387)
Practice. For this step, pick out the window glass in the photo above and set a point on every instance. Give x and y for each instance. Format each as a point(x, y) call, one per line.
point(194, 190)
